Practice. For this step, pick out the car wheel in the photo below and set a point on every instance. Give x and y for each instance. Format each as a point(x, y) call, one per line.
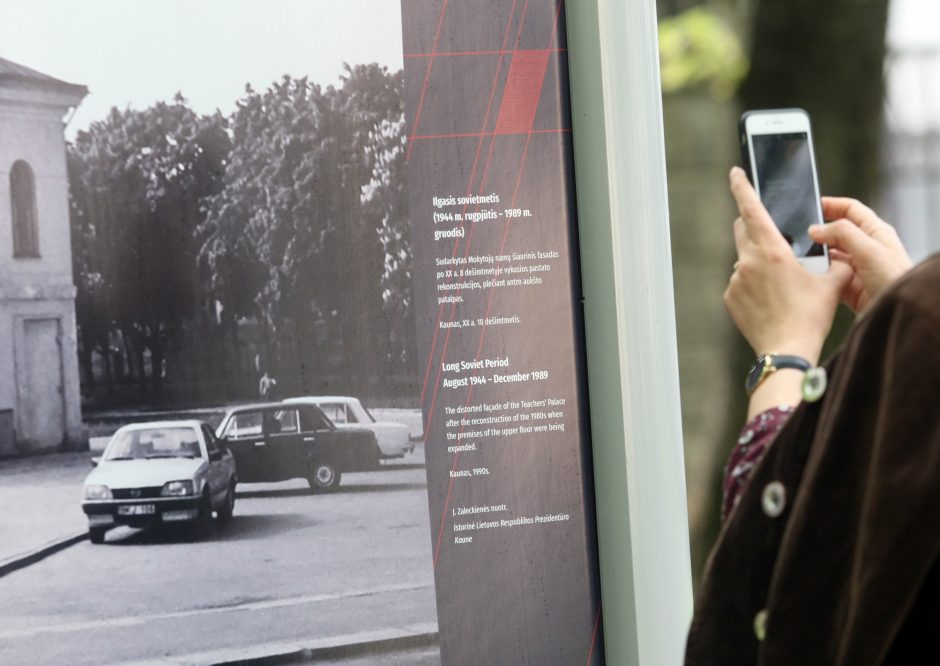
point(323, 477)
point(96, 534)
point(228, 506)
point(200, 528)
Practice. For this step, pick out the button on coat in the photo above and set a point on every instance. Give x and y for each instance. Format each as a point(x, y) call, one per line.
point(774, 499)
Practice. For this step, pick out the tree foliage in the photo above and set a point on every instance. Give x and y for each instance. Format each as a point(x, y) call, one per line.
point(826, 57)
point(136, 179)
point(699, 48)
point(288, 216)
point(296, 235)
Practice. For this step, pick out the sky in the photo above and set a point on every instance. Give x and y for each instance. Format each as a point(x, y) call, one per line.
point(139, 52)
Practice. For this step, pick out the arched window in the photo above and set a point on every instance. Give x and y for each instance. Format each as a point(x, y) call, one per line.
point(23, 198)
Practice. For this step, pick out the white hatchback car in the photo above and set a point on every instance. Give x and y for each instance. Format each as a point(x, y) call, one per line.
point(160, 472)
point(346, 412)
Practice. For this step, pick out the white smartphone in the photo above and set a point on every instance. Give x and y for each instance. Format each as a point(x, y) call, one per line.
point(778, 155)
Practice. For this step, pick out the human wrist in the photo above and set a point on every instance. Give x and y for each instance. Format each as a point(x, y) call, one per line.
point(782, 387)
point(769, 364)
point(800, 347)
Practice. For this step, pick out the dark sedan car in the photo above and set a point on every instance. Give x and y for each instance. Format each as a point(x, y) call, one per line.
point(277, 442)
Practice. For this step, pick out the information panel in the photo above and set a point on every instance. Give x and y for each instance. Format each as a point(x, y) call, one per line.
point(499, 331)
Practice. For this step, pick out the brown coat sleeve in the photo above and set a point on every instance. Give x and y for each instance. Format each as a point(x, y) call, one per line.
point(865, 529)
point(839, 572)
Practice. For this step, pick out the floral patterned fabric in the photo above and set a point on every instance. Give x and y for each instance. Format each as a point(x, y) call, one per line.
point(756, 436)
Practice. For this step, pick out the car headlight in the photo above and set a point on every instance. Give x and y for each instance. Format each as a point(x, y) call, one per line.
point(97, 492)
point(178, 488)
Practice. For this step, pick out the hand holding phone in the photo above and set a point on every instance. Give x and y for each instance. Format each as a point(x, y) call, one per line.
point(779, 306)
point(777, 151)
point(871, 245)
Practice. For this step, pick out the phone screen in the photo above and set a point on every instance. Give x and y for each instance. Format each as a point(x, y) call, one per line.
point(784, 172)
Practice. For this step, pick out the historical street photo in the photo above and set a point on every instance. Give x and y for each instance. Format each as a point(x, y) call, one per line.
point(211, 441)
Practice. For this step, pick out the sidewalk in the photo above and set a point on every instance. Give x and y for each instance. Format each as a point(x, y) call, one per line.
point(40, 499)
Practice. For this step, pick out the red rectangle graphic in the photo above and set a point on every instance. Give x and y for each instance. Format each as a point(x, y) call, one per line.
point(522, 92)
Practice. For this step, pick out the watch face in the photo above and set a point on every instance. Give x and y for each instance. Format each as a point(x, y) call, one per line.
point(755, 373)
point(769, 363)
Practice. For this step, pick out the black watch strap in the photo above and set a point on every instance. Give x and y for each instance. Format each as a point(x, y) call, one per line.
point(767, 364)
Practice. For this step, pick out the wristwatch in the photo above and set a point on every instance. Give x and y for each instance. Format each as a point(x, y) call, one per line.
point(767, 364)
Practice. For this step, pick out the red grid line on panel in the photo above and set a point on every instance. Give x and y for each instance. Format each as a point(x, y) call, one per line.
point(464, 135)
point(456, 54)
point(473, 171)
point(597, 621)
point(427, 77)
point(521, 171)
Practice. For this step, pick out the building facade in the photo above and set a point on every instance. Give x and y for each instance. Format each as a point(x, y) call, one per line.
point(40, 398)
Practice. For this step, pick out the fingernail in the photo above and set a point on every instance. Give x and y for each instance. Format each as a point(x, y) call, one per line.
point(735, 170)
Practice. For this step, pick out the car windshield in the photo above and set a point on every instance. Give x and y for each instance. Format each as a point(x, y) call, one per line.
point(154, 443)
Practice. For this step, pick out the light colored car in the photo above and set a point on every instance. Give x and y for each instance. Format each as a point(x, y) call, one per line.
point(346, 412)
point(160, 472)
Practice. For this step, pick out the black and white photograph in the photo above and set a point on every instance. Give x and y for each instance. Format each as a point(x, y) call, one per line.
point(211, 439)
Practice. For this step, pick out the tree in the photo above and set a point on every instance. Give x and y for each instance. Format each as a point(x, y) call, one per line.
point(136, 182)
point(288, 215)
point(263, 236)
point(827, 57)
point(367, 112)
point(384, 200)
point(297, 237)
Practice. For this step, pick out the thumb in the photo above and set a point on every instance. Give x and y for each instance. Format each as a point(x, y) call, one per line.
point(845, 236)
point(838, 275)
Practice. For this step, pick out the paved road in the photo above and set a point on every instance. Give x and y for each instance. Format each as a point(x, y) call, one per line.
point(291, 568)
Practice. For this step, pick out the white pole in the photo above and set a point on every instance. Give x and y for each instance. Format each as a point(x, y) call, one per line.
point(633, 375)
